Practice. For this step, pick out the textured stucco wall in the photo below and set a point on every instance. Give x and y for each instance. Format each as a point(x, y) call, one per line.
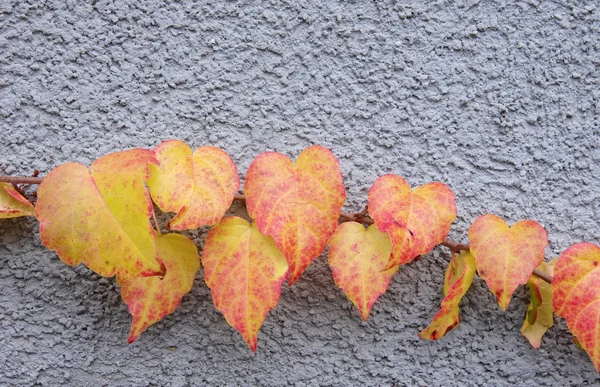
point(500, 100)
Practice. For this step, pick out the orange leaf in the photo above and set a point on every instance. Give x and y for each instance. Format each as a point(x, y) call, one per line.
point(457, 280)
point(356, 256)
point(299, 206)
point(101, 218)
point(416, 220)
point(199, 187)
point(151, 298)
point(540, 314)
point(506, 256)
point(12, 204)
point(576, 295)
point(244, 270)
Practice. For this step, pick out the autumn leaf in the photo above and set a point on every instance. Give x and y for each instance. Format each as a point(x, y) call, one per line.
point(540, 314)
point(13, 204)
point(457, 280)
point(356, 257)
point(198, 186)
point(101, 217)
point(298, 205)
point(506, 256)
point(576, 295)
point(416, 220)
point(244, 270)
point(151, 298)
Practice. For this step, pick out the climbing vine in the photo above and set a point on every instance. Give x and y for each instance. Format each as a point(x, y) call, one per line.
point(103, 217)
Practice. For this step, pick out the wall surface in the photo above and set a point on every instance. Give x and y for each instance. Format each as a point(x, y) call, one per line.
point(499, 100)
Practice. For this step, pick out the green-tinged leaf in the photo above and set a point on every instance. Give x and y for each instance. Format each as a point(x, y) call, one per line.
point(540, 314)
point(457, 280)
point(101, 217)
point(13, 204)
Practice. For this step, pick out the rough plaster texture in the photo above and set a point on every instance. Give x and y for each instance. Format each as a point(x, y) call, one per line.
point(500, 100)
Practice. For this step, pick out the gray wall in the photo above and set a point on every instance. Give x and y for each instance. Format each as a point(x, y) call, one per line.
point(499, 100)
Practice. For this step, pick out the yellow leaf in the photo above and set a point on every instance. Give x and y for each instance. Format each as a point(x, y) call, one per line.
point(12, 204)
point(416, 220)
point(244, 270)
point(151, 298)
point(540, 314)
point(506, 256)
point(457, 280)
point(298, 205)
point(199, 187)
point(356, 257)
point(101, 218)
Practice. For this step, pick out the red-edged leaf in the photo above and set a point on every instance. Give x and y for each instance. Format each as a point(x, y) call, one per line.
point(298, 205)
point(12, 204)
point(458, 279)
point(416, 220)
point(244, 270)
point(576, 295)
point(540, 314)
point(151, 298)
point(101, 218)
point(356, 257)
point(199, 187)
point(506, 256)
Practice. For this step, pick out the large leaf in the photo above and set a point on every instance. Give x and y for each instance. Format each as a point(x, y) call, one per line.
point(199, 187)
point(506, 256)
point(356, 257)
point(576, 295)
point(101, 218)
point(151, 298)
point(457, 280)
point(244, 270)
point(540, 314)
point(13, 204)
point(298, 205)
point(416, 220)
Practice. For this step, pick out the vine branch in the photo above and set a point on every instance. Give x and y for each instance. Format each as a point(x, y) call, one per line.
point(20, 180)
point(360, 217)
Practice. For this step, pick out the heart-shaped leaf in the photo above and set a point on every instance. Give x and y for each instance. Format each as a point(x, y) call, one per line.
point(101, 218)
point(198, 186)
point(356, 257)
point(244, 270)
point(151, 298)
point(576, 295)
point(506, 256)
point(298, 205)
point(416, 220)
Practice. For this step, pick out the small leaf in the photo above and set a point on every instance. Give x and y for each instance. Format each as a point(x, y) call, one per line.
point(416, 220)
point(506, 256)
point(540, 314)
point(299, 206)
point(101, 218)
point(356, 257)
point(244, 270)
point(200, 187)
point(151, 298)
point(457, 280)
point(13, 204)
point(576, 295)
